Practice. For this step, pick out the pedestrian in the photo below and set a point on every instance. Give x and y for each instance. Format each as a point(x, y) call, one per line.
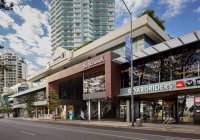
point(82, 115)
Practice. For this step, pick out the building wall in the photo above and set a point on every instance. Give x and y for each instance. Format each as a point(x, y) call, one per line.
point(112, 75)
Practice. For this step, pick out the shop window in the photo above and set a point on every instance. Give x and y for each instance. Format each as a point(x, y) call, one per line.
point(125, 77)
point(71, 89)
point(186, 108)
point(94, 83)
point(151, 110)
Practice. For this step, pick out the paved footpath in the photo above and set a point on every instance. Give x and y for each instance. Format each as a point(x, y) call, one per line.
point(179, 128)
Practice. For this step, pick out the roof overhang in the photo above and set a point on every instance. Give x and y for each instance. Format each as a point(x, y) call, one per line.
point(167, 45)
point(142, 25)
point(28, 91)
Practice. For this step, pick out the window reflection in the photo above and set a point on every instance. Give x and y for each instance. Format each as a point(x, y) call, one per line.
point(151, 110)
point(186, 108)
point(171, 65)
point(94, 83)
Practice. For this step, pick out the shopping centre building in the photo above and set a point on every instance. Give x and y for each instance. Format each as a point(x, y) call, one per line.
point(96, 78)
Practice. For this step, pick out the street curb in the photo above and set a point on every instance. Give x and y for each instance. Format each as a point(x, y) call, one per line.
point(111, 126)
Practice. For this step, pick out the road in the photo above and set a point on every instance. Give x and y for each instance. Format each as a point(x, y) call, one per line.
point(29, 130)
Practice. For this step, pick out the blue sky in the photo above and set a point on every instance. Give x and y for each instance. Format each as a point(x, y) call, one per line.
point(26, 29)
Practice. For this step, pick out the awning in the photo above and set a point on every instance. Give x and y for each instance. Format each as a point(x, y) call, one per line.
point(28, 91)
point(164, 46)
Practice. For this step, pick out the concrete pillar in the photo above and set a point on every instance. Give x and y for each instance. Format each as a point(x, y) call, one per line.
point(89, 109)
point(65, 112)
point(36, 112)
point(128, 110)
point(56, 111)
point(44, 110)
point(99, 109)
point(48, 111)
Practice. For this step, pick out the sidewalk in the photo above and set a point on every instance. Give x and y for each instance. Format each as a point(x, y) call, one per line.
point(180, 128)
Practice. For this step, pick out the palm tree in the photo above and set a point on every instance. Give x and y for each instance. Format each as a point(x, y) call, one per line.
point(3, 5)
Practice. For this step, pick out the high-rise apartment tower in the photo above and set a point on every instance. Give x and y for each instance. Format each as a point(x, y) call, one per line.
point(16, 69)
point(75, 22)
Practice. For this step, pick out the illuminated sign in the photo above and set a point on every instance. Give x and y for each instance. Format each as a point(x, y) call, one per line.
point(92, 63)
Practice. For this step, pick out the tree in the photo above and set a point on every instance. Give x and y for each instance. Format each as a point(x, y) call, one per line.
point(53, 102)
point(151, 13)
point(4, 6)
point(29, 105)
point(5, 108)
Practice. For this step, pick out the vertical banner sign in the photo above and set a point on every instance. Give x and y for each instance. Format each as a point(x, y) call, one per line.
point(128, 46)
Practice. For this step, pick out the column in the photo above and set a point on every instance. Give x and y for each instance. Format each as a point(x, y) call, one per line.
point(99, 109)
point(127, 110)
point(44, 110)
point(65, 112)
point(36, 112)
point(56, 111)
point(89, 109)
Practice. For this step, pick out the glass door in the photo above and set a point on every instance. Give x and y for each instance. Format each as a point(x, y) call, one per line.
point(169, 110)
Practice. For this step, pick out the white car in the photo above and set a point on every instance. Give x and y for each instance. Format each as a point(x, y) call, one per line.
point(1, 116)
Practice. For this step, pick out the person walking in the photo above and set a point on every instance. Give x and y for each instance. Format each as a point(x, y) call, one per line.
point(82, 115)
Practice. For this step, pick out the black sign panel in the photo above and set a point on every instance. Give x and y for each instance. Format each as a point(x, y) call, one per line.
point(197, 81)
point(189, 83)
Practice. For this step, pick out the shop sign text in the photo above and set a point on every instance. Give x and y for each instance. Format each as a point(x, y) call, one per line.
point(152, 88)
point(92, 63)
point(59, 57)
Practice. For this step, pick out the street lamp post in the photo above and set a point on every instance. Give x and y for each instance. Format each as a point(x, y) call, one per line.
point(132, 97)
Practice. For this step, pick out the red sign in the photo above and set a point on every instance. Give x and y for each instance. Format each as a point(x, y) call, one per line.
point(179, 84)
point(197, 99)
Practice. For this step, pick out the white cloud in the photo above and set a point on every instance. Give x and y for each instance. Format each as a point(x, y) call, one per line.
point(198, 10)
point(135, 6)
point(5, 20)
point(47, 3)
point(32, 36)
point(32, 68)
point(174, 7)
point(42, 60)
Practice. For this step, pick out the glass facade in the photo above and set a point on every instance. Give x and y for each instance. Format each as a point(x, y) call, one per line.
point(186, 108)
point(38, 96)
point(151, 110)
point(94, 82)
point(71, 89)
point(171, 65)
point(179, 107)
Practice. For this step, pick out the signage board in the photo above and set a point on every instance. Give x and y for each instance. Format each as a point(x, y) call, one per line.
point(179, 84)
point(152, 88)
point(197, 99)
point(128, 49)
point(59, 57)
point(189, 83)
point(197, 81)
point(92, 63)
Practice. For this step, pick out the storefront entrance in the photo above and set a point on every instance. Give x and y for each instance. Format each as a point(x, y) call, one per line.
point(158, 110)
point(183, 108)
point(169, 109)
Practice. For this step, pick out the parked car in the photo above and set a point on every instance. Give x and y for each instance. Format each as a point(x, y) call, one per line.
point(1, 116)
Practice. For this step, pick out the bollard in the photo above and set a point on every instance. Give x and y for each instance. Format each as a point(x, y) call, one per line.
point(138, 122)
